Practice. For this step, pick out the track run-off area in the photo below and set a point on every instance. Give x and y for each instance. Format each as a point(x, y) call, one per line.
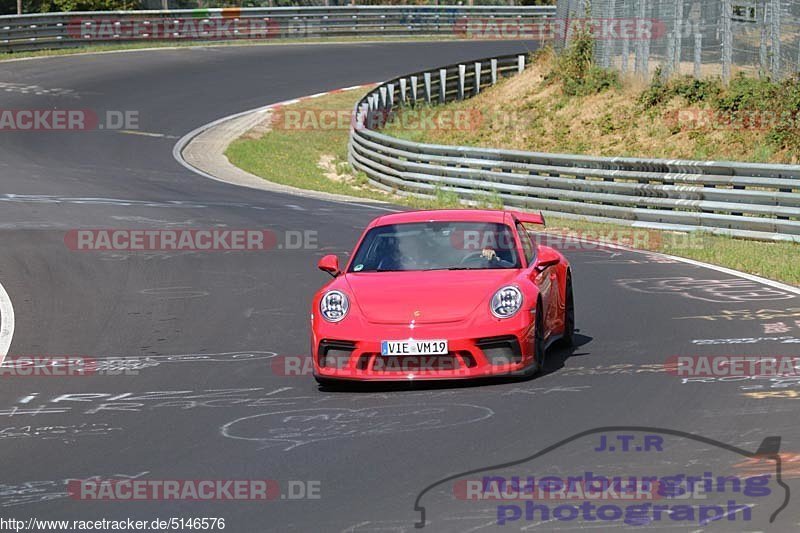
point(199, 391)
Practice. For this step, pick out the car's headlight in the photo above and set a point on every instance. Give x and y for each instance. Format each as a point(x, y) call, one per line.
point(506, 302)
point(334, 306)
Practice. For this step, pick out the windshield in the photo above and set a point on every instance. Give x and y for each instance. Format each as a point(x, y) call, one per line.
point(436, 246)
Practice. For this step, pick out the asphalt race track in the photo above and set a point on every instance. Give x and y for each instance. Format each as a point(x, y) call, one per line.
point(202, 396)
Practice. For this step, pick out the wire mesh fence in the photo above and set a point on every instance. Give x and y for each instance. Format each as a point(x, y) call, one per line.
point(696, 37)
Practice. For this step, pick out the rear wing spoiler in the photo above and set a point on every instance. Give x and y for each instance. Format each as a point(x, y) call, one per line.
point(529, 218)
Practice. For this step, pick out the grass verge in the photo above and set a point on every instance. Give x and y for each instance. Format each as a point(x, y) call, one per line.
point(315, 157)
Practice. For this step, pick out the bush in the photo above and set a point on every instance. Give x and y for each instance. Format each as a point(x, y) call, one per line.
point(576, 71)
point(692, 90)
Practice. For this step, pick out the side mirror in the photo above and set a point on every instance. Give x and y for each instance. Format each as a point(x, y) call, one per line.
point(547, 257)
point(329, 264)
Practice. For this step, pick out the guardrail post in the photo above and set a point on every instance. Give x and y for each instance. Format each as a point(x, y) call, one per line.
point(363, 114)
point(494, 71)
point(442, 85)
point(390, 95)
point(414, 90)
point(402, 91)
point(477, 77)
point(462, 74)
point(382, 92)
point(428, 87)
point(520, 63)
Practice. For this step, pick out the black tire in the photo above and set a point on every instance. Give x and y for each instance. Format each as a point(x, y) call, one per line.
point(569, 314)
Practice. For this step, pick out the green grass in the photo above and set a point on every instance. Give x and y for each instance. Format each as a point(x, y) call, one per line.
point(293, 158)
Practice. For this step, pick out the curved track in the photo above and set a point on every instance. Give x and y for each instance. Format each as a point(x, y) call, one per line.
point(228, 417)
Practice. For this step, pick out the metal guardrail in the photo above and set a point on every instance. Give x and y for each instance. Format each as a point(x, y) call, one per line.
point(65, 30)
point(745, 200)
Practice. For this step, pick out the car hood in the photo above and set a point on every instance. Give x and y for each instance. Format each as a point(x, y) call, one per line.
point(426, 297)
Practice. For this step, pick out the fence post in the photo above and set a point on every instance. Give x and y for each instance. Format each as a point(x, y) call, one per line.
point(776, 39)
point(698, 55)
point(678, 36)
point(727, 40)
point(641, 45)
point(669, 64)
point(626, 51)
point(762, 48)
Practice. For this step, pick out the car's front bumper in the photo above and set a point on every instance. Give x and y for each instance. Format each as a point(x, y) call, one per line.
point(491, 348)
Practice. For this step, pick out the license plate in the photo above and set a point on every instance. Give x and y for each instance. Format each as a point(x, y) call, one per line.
point(414, 347)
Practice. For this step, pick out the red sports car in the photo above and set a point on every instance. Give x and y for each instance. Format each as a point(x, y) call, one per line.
point(448, 294)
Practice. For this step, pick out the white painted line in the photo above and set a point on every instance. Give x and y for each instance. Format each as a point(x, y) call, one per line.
point(6, 323)
point(147, 134)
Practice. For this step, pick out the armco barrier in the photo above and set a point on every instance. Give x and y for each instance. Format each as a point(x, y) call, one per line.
point(739, 199)
point(66, 30)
